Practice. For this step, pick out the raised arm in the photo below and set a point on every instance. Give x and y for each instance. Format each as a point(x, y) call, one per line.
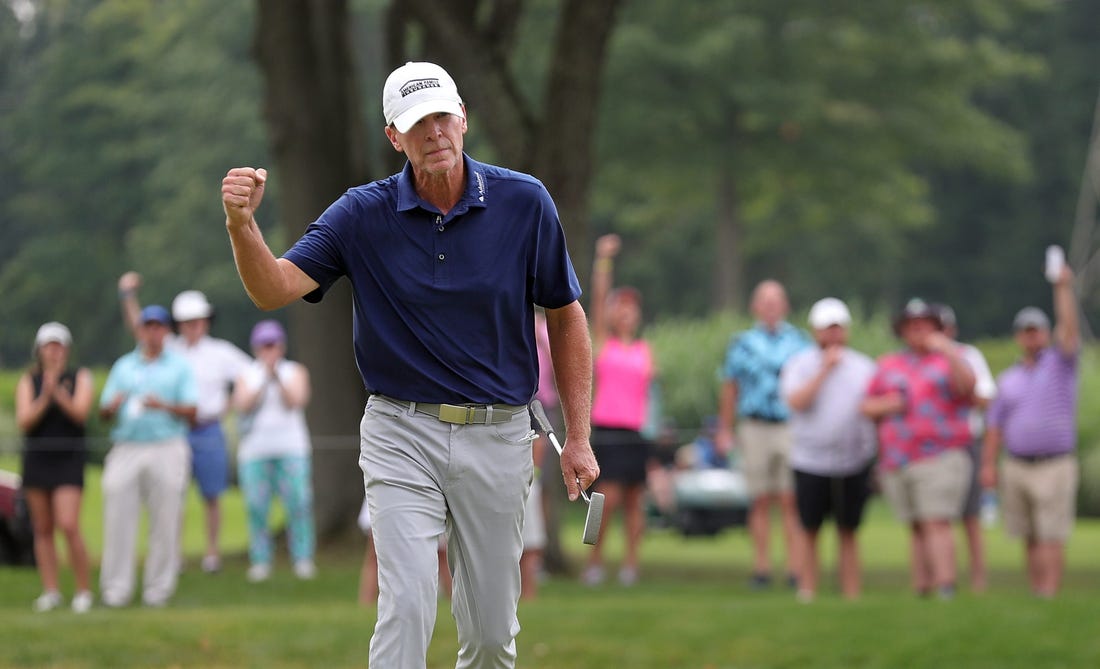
point(571, 353)
point(1067, 328)
point(607, 247)
point(269, 281)
point(128, 285)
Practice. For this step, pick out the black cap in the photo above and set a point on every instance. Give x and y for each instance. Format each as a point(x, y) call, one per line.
point(917, 308)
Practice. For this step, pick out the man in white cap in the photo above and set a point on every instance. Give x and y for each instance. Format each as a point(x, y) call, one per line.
point(833, 443)
point(447, 260)
point(216, 364)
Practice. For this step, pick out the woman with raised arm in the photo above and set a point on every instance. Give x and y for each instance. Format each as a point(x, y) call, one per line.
point(623, 372)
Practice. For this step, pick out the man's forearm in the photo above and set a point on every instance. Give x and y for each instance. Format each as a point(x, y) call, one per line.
point(258, 268)
point(571, 353)
point(1067, 325)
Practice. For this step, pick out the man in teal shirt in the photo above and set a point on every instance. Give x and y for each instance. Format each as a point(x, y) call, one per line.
point(750, 400)
point(151, 393)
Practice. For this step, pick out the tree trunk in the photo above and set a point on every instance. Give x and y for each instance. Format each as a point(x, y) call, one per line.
point(729, 262)
point(311, 107)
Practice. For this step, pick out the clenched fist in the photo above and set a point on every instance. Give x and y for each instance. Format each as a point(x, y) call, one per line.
point(242, 191)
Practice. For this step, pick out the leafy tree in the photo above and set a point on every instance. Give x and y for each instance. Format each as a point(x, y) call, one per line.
point(791, 136)
point(128, 113)
point(988, 240)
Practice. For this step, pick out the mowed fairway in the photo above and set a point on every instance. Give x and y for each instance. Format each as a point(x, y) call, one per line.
point(692, 609)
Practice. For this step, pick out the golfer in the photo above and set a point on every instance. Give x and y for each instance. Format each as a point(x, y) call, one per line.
point(447, 260)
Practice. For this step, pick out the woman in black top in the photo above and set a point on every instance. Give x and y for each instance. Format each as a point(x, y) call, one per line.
point(52, 403)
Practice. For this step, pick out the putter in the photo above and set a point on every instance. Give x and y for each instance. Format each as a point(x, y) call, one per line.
point(595, 502)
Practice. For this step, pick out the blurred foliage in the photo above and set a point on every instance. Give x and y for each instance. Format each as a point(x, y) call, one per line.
point(876, 149)
point(808, 127)
point(129, 115)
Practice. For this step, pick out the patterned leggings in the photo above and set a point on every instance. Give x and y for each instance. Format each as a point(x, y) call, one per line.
point(289, 477)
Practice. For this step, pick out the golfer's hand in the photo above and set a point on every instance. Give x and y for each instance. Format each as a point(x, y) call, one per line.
point(578, 464)
point(242, 192)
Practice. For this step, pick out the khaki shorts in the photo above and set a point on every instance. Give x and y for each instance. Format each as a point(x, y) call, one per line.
point(765, 457)
point(931, 489)
point(1039, 499)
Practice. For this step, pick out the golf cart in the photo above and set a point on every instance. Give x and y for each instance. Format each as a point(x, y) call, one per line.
point(16, 536)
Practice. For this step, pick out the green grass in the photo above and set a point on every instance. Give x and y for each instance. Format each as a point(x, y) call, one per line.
point(692, 609)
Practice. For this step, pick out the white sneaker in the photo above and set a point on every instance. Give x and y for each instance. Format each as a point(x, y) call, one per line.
point(258, 573)
point(592, 576)
point(628, 576)
point(305, 569)
point(211, 564)
point(48, 601)
point(82, 602)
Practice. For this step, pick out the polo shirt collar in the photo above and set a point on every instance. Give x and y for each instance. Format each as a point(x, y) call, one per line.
point(475, 195)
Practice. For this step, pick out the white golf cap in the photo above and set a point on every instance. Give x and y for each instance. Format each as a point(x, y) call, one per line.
point(829, 311)
point(191, 305)
point(53, 332)
point(415, 90)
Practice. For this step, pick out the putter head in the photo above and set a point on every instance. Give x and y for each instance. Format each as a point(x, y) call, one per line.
point(593, 520)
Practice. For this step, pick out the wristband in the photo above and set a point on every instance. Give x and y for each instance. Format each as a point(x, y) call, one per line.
point(603, 264)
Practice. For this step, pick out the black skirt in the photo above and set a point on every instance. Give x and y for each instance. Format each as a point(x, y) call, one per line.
point(621, 454)
point(54, 467)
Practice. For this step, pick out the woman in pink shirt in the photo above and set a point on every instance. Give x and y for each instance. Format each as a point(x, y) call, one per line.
point(623, 373)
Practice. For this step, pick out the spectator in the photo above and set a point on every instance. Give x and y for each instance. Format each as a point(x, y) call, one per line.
point(447, 261)
point(833, 443)
point(152, 396)
point(624, 372)
point(274, 453)
point(919, 397)
point(985, 388)
point(1034, 417)
point(216, 363)
point(52, 402)
point(750, 399)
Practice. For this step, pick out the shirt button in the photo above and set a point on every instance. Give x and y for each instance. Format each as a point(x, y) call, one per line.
point(442, 256)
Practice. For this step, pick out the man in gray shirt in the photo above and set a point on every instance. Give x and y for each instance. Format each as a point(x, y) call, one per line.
point(833, 443)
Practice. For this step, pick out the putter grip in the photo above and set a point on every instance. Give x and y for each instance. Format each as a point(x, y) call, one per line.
point(544, 424)
point(540, 416)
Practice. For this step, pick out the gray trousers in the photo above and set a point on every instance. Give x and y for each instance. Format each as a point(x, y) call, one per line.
point(424, 477)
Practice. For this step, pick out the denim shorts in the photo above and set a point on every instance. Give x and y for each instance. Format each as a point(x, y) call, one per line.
point(209, 460)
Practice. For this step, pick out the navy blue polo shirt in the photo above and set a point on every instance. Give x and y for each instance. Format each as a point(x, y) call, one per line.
point(443, 303)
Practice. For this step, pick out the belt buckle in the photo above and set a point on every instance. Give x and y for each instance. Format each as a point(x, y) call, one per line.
point(459, 415)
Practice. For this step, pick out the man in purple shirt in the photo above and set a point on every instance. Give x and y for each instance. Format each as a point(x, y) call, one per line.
point(1034, 416)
